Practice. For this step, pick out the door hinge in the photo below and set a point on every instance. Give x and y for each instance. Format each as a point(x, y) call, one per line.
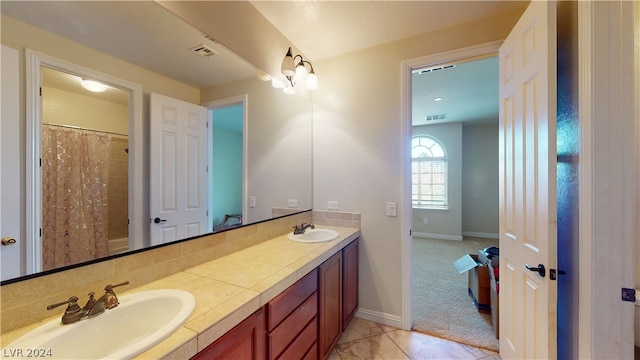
point(628, 294)
point(40, 91)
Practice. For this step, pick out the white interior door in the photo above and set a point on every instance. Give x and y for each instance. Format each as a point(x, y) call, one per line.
point(528, 186)
point(178, 156)
point(10, 166)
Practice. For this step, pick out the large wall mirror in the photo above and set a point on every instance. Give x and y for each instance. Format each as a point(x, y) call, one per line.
point(258, 139)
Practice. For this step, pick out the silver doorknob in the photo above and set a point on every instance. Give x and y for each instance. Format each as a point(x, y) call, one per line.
point(8, 240)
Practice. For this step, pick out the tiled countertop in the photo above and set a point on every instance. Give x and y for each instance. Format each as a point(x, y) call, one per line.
point(230, 288)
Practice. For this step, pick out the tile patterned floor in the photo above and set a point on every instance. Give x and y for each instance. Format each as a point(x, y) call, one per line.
point(369, 340)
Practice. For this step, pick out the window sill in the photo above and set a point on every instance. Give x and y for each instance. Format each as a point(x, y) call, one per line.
point(431, 208)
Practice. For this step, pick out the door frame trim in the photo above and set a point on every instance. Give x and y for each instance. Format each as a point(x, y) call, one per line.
point(607, 230)
point(467, 53)
point(33, 117)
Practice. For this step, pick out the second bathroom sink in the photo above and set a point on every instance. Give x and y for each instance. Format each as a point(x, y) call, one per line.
point(314, 236)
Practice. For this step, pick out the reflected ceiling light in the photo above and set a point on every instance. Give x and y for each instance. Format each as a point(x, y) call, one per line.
point(294, 69)
point(93, 86)
point(437, 99)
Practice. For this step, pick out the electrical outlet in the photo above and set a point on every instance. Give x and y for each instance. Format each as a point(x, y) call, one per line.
point(252, 201)
point(425, 221)
point(293, 203)
point(391, 209)
point(332, 205)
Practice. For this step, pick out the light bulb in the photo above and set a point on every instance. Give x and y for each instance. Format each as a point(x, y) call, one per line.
point(277, 83)
point(301, 72)
point(312, 81)
point(289, 90)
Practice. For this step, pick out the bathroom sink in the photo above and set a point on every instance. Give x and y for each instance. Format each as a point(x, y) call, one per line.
point(314, 236)
point(141, 321)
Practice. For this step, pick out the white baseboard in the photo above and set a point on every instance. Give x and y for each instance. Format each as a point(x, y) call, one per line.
point(480, 235)
point(437, 236)
point(380, 318)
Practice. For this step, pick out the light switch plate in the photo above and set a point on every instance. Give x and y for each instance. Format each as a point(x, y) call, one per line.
point(391, 209)
point(332, 205)
point(252, 201)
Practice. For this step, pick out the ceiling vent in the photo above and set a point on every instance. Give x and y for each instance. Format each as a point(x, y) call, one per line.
point(435, 117)
point(432, 69)
point(204, 50)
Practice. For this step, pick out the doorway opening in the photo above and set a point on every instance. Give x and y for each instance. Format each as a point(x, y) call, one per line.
point(227, 162)
point(454, 197)
point(46, 74)
point(451, 136)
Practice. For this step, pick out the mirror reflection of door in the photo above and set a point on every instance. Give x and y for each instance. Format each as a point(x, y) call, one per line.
point(84, 170)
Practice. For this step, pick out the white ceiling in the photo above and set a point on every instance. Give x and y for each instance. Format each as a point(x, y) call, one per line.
point(323, 29)
point(144, 33)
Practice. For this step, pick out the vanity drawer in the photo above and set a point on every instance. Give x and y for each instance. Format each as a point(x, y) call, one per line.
point(285, 333)
point(302, 345)
point(282, 305)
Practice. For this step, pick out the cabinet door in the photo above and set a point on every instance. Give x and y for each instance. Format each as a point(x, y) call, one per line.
point(330, 309)
point(243, 342)
point(350, 260)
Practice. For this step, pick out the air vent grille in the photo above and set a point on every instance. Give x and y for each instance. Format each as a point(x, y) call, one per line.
point(435, 117)
point(432, 69)
point(204, 50)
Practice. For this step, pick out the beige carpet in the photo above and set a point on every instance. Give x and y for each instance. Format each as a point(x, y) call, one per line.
point(441, 303)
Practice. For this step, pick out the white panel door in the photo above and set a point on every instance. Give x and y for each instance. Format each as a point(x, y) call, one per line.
point(178, 156)
point(528, 228)
point(10, 166)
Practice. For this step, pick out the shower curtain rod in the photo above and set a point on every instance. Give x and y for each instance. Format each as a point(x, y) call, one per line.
point(85, 129)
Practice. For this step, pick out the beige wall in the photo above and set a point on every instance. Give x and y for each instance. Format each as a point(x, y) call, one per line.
point(480, 180)
point(63, 107)
point(357, 152)
point(278, 145)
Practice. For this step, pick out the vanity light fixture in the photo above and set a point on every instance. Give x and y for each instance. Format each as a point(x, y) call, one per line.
point(93, 86)
point(294, 69)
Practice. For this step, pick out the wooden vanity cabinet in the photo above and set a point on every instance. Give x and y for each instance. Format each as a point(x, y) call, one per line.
point(245, 341)
point(303, 322)
point(350, 282)
point(338, 288)
point(330, 309)
point(292, 321)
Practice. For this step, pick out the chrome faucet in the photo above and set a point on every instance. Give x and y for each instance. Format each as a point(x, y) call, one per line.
point(299, 229)
point(93, 307)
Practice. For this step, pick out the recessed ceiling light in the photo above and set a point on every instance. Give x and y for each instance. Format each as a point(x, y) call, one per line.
point(437, 99)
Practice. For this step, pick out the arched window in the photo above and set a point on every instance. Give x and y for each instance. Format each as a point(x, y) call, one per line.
point(428, 173)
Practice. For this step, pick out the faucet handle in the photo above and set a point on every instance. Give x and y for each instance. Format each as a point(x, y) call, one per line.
point(110, 287)
point(72, 301)
point(73, 312)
